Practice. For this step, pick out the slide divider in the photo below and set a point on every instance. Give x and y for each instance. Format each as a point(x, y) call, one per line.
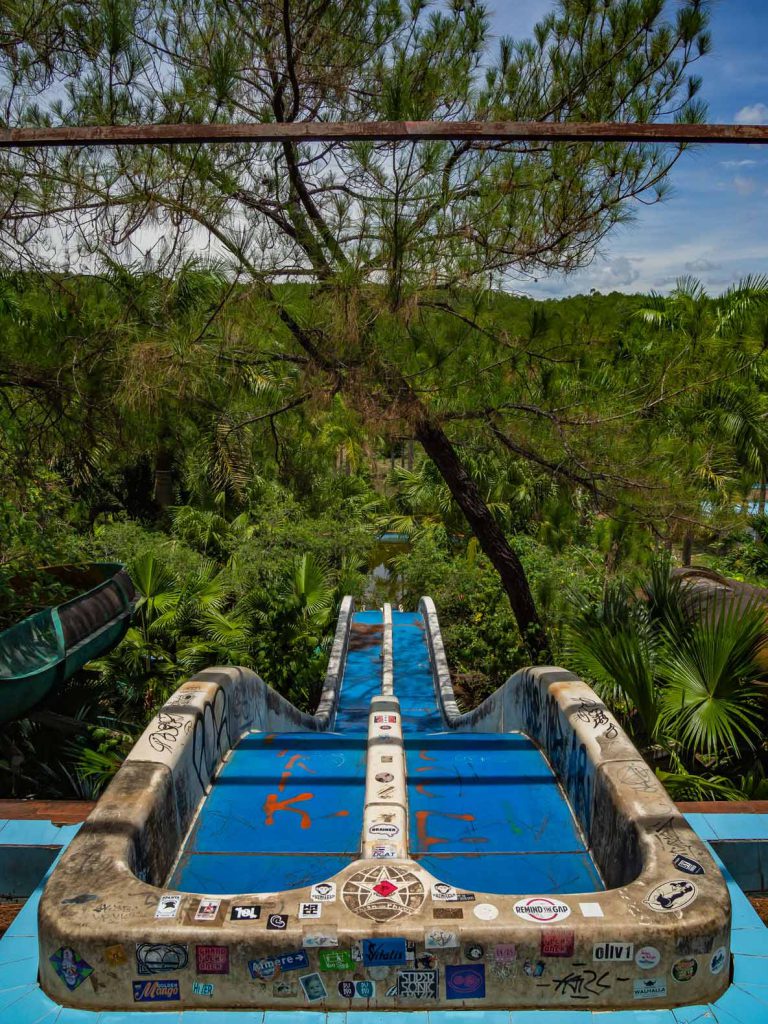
point(385, 817)
point(387, 655)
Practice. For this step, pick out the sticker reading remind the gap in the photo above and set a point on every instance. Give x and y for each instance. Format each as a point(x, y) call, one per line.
point(542, 908)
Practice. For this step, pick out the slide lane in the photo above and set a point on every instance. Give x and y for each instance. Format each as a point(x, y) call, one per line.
point(485, 809)
point(286, 810)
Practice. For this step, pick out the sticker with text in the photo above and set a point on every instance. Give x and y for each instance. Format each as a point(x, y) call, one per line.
point(323, 892)
point(207, 909)
point(245, 912)
point(384, 952)
point(618, 952)
point(203, 988)
point(212, 959)
point(685, 969)
point(557, 942)
point(441, 891)
point(542, 908)
point(310, 911)
point(647, 957)
point(336, 960)
point(168, 905)
point(687, 865)
point(384, 830)
point(165, 991)
point(384, 851)
point(271, 966)
point(357, 989)
point(649, 988)
point(417, 985)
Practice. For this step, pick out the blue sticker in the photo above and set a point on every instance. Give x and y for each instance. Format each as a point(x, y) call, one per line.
point(70, 968)
point(688, 865)
point(383, 952)
point(269, 966)
point(156, 991)
point(465, 981)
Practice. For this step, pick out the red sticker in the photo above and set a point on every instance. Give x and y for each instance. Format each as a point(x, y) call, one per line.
point(212, 959)
point(557, 943)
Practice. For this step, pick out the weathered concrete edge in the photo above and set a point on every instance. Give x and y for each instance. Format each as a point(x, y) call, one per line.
point(329, 698)
point(387, 655)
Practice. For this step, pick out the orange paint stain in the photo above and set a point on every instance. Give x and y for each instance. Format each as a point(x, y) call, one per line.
point(422, 788)
point(340, 814)
point(272, 805)
point(424, 756)
point(270, 738)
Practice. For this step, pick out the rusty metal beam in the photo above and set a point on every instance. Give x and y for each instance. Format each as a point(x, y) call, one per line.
point(382, 131)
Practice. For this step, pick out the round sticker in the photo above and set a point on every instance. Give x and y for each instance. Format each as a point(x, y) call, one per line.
point(385, 777)
point(542, 908)
point(382, 828)
point(671, 896)
point(685, 969)
point(475, 952)
point(717, 962)
point(486, 911)
point(647, 957)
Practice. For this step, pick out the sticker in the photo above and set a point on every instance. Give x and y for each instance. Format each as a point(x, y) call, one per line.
point(212, 959)
point(385, 777)
point(156, 991)
point(313, 986)
point(650, 988)
point(687, 864)
point(615, 952)
point(486, 911)
point(389, 719)
point(717, 962)
point(534, 968)
point(277, 922)
point(383, 952)
point(591, 910)
point(385, 728)
point(207, 909)
point(168, 905)
point(441, 891)
point(671, 896)
point(324, 892)
point(269, 966)
point(685, 969)
point(336, 960)
point(357, 989)
point(310, 911)
point(476, 952)
point(383, 893)
point(541, 908)
point(326, 938)
point(465, 981)
point(557, 943)
point(417, 985)
point(115, 955)
point(647, 957)
point(384, 851)
point(386, 759)
point(157, 957)
point(505, 953)
point(202, 988)
point(71, 969)
point(447, 912)
point(284, 988)
point(245, 912)
point(436, 938)
point(385, 829)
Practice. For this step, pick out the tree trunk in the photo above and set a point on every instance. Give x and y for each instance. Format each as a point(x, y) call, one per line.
point(761, 505)
point(489, 534)
point(687, 547)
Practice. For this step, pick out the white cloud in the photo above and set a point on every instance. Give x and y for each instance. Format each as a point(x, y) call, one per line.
point(743, 185)
point(620, 270)
point(756, 113)
point(701, 265)
point(731, 164)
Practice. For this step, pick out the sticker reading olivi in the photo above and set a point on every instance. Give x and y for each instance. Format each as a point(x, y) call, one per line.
point(387, 852)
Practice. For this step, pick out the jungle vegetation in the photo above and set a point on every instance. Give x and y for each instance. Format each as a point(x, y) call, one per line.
point(234, 367)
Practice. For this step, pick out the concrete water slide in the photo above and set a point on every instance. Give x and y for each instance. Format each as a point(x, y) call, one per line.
point(386, 853)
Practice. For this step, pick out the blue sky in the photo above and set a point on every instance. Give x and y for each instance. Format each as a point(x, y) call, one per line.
point(714, 224)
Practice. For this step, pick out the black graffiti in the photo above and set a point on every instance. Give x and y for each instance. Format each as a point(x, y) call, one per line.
point(582, 984)
point(637, 777)
point(211, 725)
point(531, 706)
point(166, 732)
point(668, 835)
point(591, 711)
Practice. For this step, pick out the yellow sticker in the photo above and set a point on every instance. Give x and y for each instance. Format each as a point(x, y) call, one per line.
point(115, 955)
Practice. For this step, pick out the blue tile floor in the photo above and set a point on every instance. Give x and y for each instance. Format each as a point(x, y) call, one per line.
point(745, 1002)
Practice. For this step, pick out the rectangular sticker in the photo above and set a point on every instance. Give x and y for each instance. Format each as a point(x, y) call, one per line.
point(313, 987)
point(156, 991)
point(323, 892)
point(417, 984)
point(383, 952)
point(207, 909)
point(441, 891)
point(650, 988)
point(465, 981)
point(447, 912)
point(613, 951)
point(168, 905)
point(202, 988)
point(310, 911)
point(324, 938)
point(336, 960)
point(505, 953)
point(436, 938)
point(557, 943)
point(212, 959)
point(270, 966)
point(245, 912)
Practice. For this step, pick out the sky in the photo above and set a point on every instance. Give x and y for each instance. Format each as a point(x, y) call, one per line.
point(714, 225)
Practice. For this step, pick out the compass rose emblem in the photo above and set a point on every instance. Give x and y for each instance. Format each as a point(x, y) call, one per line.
point(383, 893)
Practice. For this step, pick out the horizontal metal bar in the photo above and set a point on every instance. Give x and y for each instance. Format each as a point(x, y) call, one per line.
point(382, 131)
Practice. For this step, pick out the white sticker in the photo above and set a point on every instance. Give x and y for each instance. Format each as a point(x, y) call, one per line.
point(385, 829)
point(323, 892)
point(591, 910)
point(207, 909)
point(717, 961)
point(613, 951)
point(671, 896)
point(650, 988)
point(486, 911)
point(436, 938)
point(542, 908)
point(168, 905)
point(310, 911)
point(441, 891)
point(647, 957)
point(313, 939)
point(384, 851)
